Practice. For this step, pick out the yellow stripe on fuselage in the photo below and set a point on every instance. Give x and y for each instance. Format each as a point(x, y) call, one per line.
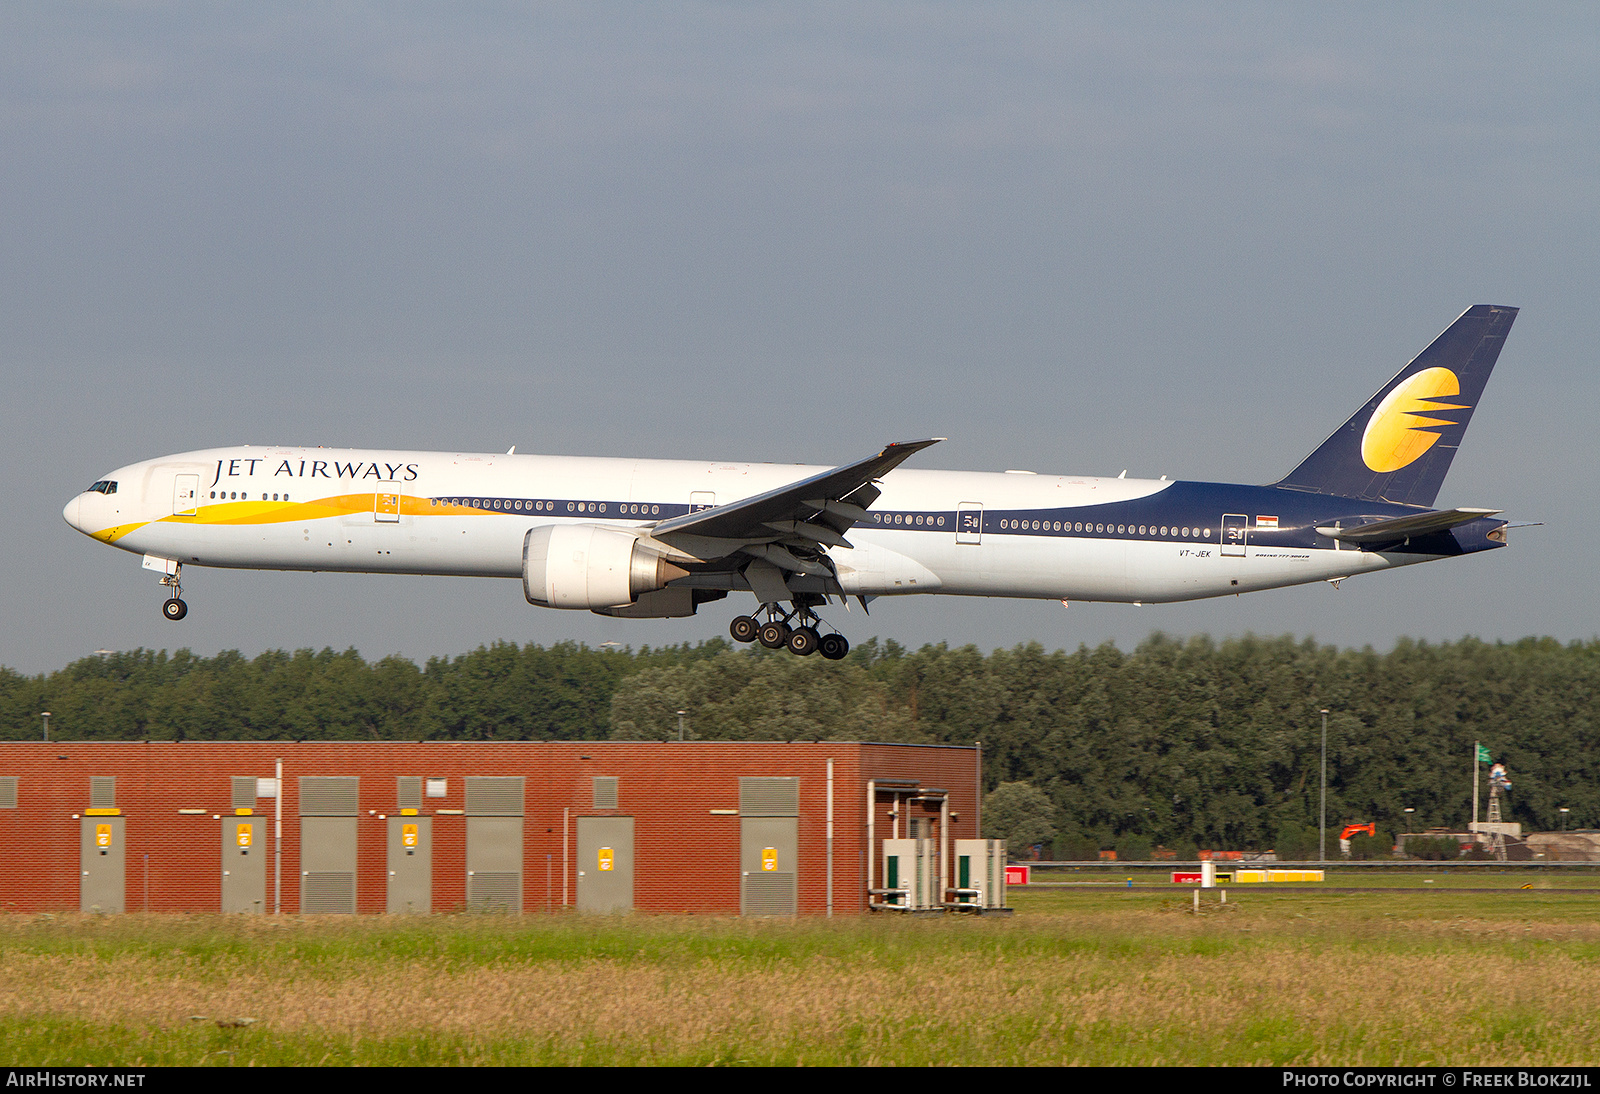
point(278, 512)
point(117, 531)
point(340, 505)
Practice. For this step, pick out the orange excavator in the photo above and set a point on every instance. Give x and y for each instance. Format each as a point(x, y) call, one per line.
point(1355, 828)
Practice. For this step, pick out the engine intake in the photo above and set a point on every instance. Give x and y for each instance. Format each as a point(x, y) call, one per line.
point(587, 566)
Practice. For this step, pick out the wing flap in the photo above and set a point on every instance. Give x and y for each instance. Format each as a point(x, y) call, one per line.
point(784, 559)
point(842, 509)
point(807, 531)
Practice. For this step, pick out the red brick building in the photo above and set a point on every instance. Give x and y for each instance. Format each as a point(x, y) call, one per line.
point(713, 827)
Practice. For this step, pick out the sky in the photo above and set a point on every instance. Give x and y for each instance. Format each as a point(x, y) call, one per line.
point(1179, 239)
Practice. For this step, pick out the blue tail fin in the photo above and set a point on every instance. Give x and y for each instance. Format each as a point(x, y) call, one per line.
point(1398, 446)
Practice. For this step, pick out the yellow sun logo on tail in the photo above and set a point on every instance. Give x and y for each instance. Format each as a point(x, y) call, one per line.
point(1399, 430)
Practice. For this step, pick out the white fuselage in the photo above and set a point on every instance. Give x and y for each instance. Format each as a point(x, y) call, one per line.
point(956, 532)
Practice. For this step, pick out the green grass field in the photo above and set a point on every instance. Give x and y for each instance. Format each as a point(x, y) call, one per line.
point(1092, 975)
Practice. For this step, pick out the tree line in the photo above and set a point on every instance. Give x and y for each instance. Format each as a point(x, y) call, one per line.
point(1214, 744)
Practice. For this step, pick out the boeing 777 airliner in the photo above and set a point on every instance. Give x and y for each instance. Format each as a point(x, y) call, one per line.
point(648, 539)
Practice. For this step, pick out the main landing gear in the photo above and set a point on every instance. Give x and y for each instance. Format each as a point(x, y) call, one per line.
point(174, 608)
point(776, 633)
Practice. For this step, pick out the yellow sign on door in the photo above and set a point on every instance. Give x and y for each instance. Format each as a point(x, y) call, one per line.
point(102, 835)
point(608, 858)
point(408, 835)
point(243, 833)
point(769, 858)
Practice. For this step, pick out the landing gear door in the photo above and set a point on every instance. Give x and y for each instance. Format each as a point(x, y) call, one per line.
point(386, 503)
point(1235, 527)
point(185, 495)
point(969, 522)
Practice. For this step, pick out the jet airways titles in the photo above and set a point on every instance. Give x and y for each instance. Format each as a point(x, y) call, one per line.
point(245, 467)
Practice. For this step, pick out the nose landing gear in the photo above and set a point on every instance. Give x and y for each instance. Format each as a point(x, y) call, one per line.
point(174, 608)
point(776, 633)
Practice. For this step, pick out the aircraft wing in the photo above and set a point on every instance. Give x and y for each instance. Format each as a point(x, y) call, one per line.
point(1420, 524)
point(792, 525)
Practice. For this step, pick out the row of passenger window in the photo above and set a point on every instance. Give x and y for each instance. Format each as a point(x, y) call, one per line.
point(932, 520)
point(1009, 525)
point(1103, 529)
point(518, 505)
point(241, 495)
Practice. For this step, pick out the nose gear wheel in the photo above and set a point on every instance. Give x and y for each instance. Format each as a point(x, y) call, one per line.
point(174, 608)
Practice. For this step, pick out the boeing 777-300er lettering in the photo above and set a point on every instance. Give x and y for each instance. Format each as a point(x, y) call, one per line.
point(651, 539)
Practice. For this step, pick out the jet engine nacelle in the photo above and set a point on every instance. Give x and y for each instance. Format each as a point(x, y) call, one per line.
point(587, 566)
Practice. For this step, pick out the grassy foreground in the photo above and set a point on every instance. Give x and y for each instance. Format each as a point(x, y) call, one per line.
point(1096, 977)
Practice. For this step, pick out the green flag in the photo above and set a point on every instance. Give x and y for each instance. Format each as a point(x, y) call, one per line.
point(1483, 755)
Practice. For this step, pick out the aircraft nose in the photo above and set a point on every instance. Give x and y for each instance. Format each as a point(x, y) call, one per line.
point(70, 513)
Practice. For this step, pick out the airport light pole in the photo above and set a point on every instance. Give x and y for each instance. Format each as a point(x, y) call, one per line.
point(1409, 812)
point(1322, 827)
point(1564, 811)
point(681, 715)
point(45, 714)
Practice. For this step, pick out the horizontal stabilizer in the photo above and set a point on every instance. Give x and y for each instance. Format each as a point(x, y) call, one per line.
point(1421, 524)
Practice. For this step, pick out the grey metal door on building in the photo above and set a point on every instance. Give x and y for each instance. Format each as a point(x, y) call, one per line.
point(769, 848)
point(495, 805)
point(103, 860)
point(329, 806)
point(244, 864)
point(769, 844)
point(410, 865)
point(327, 865)
point(494, 864)
point(605, 865)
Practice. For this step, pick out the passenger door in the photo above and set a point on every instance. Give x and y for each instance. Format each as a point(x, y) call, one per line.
point(1235, 530)
point(969, 522)
point(185, 495)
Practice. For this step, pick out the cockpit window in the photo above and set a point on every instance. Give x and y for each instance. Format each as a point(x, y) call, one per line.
point(104, 486)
